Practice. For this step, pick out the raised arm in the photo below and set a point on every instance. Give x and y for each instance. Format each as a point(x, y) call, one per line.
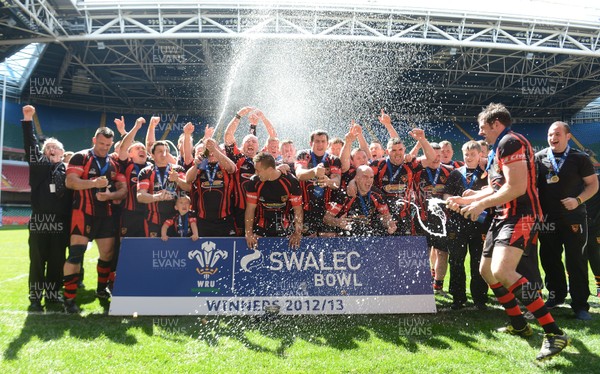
point(268, 125)
point(150, 135)
point(386, 121)
point(129, 137)
point(419, 136)
point(362, 142)
point(30, 144)
point(229, 137)
point(349, 138)
point(188, 130)
point(120, 123)
point(224, 162)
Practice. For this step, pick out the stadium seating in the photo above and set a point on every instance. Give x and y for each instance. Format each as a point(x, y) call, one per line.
point(15, 215)
point(15, 176)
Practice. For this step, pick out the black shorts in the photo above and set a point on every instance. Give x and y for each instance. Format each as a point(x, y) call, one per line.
point(432, 240)
point(518, 231)
point(151, 230)
point(437, 242)
point(216, 227)
point(132, 224)
point(239, 221)
point(91, 227)
point(313, 222)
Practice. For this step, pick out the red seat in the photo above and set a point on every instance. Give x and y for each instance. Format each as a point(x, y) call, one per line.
point(15, 176)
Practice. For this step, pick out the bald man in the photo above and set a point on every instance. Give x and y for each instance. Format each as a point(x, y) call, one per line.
point(365, 214)
point(566, 180)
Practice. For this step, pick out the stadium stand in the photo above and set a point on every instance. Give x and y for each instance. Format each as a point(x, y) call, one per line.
point(15, 176)
point(15, 215)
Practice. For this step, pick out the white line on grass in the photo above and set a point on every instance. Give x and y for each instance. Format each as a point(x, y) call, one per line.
point(13, 279)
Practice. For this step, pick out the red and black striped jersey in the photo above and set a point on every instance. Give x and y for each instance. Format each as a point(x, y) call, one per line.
point(514, 147)
point(430, 183)
point(155, 179)
point(364, 212)
point(315, 197)
point(396, 182)
point(180, 226)
point(244, 171)
point(87, 166)
point(131, 172)
point(212, 192)
point(455, 164)
point(274, 201)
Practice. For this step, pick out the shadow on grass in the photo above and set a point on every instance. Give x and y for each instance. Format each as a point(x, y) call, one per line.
point(414, 333)
point(276, 334)
point(55, 325)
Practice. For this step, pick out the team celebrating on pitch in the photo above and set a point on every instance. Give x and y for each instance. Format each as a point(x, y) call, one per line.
point(495, 204)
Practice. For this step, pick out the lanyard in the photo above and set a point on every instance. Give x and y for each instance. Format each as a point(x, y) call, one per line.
point(556, 166)
point(211, 171)
point(495, 147)
point(389, 167)
point(474, 177)
point(203, 165)
point(434, 180)
point(364, 205)
point(162, 179)
point(136, 167)
point(183, 225)
point(313, 158)
point(101, 169)
point(318, 191)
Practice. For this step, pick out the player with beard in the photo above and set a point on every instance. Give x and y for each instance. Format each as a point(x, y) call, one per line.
point(212, 182)
point(158, 184)
point(271, 198)
point(89, 174)
point(243, 158)
point(513, 232)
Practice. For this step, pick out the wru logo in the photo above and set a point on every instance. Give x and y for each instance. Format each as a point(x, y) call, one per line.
point(207, 258)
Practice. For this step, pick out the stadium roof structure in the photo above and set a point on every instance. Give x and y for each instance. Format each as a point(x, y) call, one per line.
point(540, 58)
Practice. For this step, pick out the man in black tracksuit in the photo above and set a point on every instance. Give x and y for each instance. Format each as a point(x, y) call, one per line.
point(464, 234)
point(566, 179)
point(50, 216)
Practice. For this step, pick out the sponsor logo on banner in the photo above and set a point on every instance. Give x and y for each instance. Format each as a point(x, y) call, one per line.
point(207, 257)
point(223, 276)
point(248, 262)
